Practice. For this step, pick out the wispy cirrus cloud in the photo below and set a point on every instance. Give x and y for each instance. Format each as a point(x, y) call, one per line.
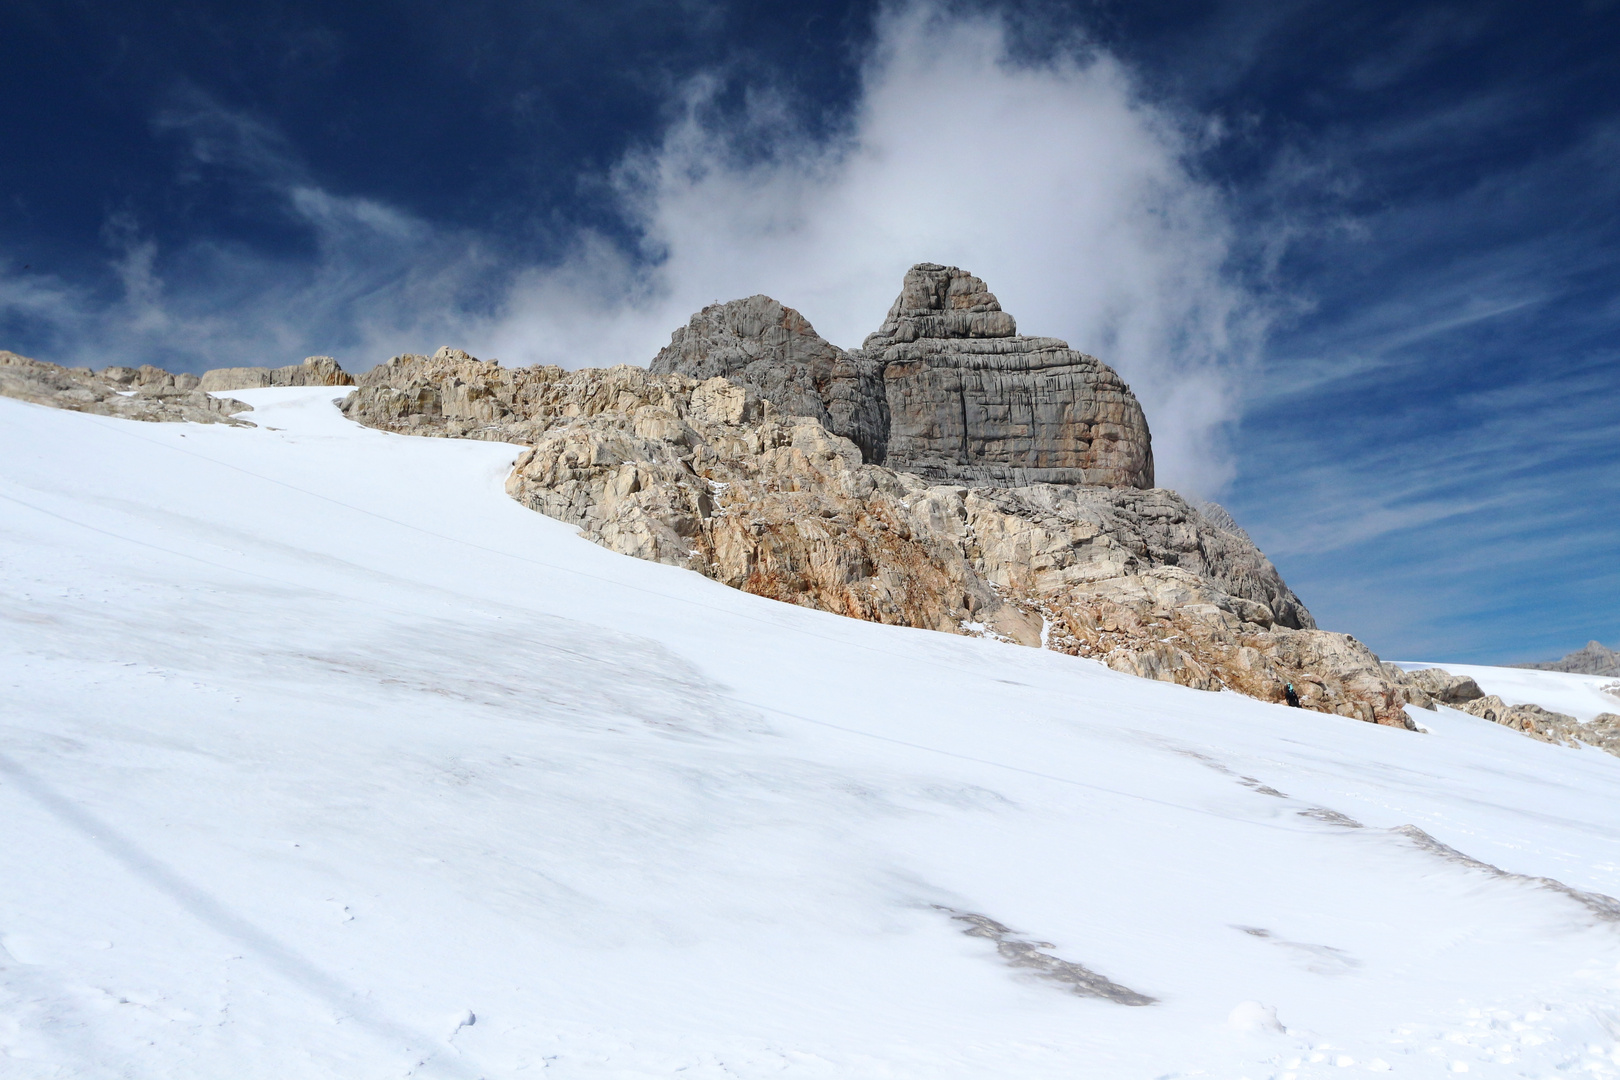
point(1464, 401)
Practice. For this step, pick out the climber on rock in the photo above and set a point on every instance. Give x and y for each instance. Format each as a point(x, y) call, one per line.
point(1291, 695)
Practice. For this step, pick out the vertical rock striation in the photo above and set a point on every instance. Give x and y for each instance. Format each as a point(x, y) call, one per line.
point(774, 351)
point(971, 401)
point(946, 388)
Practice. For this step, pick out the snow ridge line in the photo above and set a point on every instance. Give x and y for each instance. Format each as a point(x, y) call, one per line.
point(1606, 908)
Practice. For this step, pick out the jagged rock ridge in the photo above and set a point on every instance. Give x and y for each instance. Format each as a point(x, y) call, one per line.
point(752, 459)
point(946, 388)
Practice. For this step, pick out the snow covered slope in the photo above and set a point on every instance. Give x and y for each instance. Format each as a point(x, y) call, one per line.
point(319, 757)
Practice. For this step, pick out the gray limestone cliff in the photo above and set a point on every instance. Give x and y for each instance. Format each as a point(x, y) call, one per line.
point(973, 401)
point(774, 351)
point(946, 388)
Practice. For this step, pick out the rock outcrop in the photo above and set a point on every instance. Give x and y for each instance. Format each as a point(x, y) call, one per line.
point(1442, 686)
point(971, 401)
point(712, 476)
point(946, 388)
point(150, 393)
point(144, 393)
point(314, 371)
point(774, 351)
point(1603, 731)
point(733, 462)
point(1594, 659)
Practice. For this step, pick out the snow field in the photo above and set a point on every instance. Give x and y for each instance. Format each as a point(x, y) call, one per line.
point(320, 757)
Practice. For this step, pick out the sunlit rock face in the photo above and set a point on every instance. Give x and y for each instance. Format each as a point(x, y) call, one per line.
point(314, 371)
point(143, 393)
point(946, 388)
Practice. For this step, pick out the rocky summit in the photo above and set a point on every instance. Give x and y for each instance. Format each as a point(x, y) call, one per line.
point(946, 388)
point(774, 351)
point(950, 475)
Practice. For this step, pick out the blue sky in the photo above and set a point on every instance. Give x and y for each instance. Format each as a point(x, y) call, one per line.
point(1363, 266)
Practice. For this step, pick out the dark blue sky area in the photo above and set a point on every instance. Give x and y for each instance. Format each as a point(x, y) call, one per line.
point(1424, 199)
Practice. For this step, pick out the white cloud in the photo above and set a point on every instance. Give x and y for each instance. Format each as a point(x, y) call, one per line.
point(1054, 182)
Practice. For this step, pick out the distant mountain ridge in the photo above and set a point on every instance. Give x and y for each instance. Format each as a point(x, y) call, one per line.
point(1595, 659)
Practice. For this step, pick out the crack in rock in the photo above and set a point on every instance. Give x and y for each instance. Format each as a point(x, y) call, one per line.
point(1080, 980)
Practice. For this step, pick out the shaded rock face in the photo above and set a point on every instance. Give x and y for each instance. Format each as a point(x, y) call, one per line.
point(775, 351)
point(314, 371)
point(143, 393)
point(712, 476)
point(972, 401)
point(946, 388)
